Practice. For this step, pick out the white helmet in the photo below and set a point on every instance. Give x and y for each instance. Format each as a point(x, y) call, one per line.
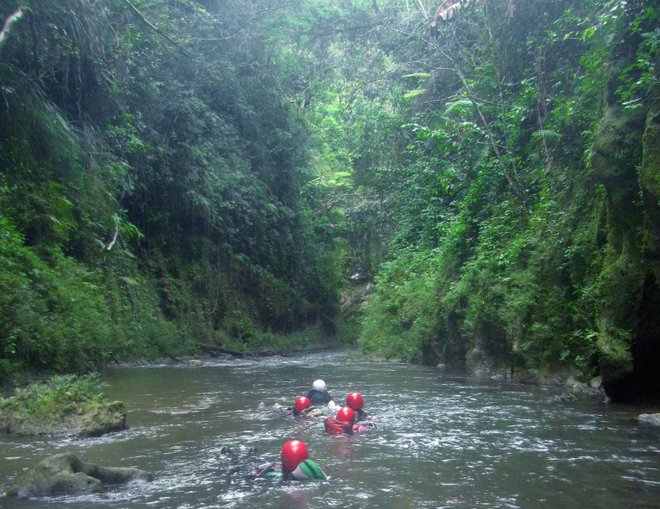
point(319, 385)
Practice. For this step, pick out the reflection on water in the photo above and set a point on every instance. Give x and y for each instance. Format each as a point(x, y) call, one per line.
point(443, 440)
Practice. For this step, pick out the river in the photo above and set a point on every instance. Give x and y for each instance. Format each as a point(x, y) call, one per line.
point(443, 441)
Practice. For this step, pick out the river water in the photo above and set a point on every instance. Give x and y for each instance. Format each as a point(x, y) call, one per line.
point(443, 440)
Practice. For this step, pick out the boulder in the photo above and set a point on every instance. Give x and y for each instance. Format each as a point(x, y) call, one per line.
point(99, 419)
point(650, 419)
point(596, 382)
point(66, 474)
point(89, 420)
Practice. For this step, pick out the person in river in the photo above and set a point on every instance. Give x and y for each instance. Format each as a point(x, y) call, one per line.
point(302, 407)
point(344, 423)
point(296, 465)
point(319, 394)
point(354, 401)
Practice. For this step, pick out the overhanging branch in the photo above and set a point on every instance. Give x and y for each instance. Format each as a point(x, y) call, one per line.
point(153, 27)
point(8, 24)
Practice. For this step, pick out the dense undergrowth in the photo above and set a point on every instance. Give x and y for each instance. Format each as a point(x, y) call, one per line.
point(527, 228)
point(482, 183)
point(150, 176)
point(52, 401)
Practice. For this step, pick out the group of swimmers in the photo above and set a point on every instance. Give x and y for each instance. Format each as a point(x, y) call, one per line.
point(349, 420)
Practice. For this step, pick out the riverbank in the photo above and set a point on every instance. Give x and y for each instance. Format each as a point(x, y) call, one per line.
point(214, 352)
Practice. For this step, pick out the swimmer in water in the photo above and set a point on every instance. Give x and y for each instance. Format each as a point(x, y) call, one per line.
point(344, 423)
point(296, 465)
point(302, 407)
point(319, 395)
point(354, 400)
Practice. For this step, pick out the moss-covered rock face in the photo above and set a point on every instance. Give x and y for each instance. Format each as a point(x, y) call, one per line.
point(649, 176)
point(89, 420)
point(625, 159)
point(615, 156)
point(100, 418)
point(616, 361)
point(66, 474)
point(66, 405)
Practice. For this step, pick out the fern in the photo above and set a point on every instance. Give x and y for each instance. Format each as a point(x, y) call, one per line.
point(546, 133)
point(414, 93)
point(423, 75)
point(457, 104)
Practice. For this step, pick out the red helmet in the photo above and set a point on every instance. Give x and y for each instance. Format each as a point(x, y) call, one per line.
point(301, 404)
point(293, 453)
point(354, 401)
point(346, 415)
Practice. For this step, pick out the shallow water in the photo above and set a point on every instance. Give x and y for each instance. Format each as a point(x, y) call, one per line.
point(443, 440)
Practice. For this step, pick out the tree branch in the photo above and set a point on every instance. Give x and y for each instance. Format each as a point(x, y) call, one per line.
point(491, 137)
point(155, 28)
point(424, 11)
point(111, 244)
point(10, 21)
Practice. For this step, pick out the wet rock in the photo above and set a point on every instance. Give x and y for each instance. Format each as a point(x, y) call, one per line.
point(649, 419)
point(101, 418)
point(593, 388)
point(66, 474)
point(90, 420)
point(563, 398)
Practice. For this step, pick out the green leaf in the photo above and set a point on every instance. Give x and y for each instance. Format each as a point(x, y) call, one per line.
point(546, 133)
point(457, 104)
point(414, 93)
point(423, 75)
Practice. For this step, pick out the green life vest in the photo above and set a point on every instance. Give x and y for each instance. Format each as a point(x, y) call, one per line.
point(308, 470)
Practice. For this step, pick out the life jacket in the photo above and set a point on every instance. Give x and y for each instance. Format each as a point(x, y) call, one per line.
point(336, 427)
point(308, 470)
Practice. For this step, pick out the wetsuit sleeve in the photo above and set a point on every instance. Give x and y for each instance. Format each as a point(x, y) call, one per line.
point(265, 470)
point(363, 415)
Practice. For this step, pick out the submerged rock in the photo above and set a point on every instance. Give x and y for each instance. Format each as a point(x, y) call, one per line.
point(66, 474)
point(650, 419)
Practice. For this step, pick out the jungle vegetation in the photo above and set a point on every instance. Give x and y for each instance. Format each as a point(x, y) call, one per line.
point(474, 183)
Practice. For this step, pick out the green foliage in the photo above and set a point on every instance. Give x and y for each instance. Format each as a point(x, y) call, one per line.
point(639, 79)
point(525, 255)
point(401, 318)
point(51, 401)
point(54, 316)
point(203, 183)
point(151, 184)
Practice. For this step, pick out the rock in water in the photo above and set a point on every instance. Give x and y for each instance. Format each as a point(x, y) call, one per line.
point(100, 419)
point(650, 419)
point(89, 420)
point(66, 474)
